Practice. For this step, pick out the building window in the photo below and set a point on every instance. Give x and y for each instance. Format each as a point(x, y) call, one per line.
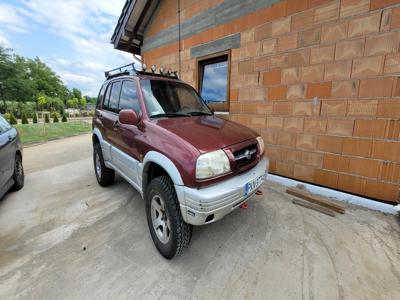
point(213, 80)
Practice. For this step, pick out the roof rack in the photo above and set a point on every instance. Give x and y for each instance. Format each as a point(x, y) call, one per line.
point(111, 73)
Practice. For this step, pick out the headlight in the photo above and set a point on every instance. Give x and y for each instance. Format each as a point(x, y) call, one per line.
point(212, 164)
point(261, 144)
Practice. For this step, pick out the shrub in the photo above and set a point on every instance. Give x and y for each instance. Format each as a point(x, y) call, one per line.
point(46, 118)
point(55, 118)
point(13, 119)
point(24, 119)
point(91, 113)
point(34, 120)
point(64, 118)
point(7, 116)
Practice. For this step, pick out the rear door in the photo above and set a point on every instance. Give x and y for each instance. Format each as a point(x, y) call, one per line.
point(7, 138)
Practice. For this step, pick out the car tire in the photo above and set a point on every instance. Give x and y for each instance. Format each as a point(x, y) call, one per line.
point(170, 234)
point(105, 176)
point(18, 176)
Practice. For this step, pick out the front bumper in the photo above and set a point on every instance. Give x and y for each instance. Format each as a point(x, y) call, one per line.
point(210, 204)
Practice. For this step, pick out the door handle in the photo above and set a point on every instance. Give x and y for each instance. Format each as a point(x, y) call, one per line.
point(101, 116)
point(116, 124)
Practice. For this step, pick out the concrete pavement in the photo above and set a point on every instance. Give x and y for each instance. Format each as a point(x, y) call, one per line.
point(65, 237)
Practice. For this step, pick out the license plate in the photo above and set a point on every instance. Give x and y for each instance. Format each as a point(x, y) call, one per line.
point(253, 185)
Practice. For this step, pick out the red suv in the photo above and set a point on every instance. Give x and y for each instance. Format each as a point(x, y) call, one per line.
point(190, 166)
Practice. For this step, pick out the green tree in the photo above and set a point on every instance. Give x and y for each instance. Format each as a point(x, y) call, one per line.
point(76, 93)
point(72, 103)
point(64, 118)
point(34, 119)
point(55, 118)
point(46, 118)
point(24, 119)
point(13, 119)
point(41, 101)
point(82, 103)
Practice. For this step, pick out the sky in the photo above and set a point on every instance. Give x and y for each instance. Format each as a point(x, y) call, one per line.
point(71, 36)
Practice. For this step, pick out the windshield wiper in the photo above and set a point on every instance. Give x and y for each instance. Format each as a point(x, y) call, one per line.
point(199, 113)
point(170, 115)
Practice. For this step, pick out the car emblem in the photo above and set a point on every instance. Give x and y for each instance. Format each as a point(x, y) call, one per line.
point(247, 154)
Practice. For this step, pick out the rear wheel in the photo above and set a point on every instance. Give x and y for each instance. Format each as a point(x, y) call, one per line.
point(105, 176)
point(170, 234)
point(18, 176)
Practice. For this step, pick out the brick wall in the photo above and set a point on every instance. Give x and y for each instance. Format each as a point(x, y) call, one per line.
point(317, 79)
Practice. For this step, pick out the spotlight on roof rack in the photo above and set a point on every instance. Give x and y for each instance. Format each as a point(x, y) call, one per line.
point(153, 68)
point(161, 70)
point(169, 72)
point(144, 67)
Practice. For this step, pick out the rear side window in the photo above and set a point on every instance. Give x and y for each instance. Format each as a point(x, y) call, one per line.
point(114, 96)
point(4, 126)
point(101, 95)
point(107, 97)
point(128, 98)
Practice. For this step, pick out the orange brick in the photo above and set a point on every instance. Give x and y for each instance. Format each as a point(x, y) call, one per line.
point(312, 73)
point(294, 6)
point(315, 125)
point(281, 26)
point(386, 20)
point(353, 7)
point(349, 49)
point(327, 12)
point(383, 191)
point(303, 20)
point(326, 178)
point(362, 107)
point(299, 58)
point(310, 37)
point(340, 127)
point(274, 122)
point(364, 25)
point(248, 107)
point(277, 92)
point(291, 154)
point(367, 66)
point(369, 128)
point(314, 3)
point(338, 70)
point(293, 124)
point(272, 77)
point(263, 32)
point(284, 168)
point(364, 167)
point(386, 150)
point(235, 107)
point(312, 159)
point(296, 92)
point(251, 94)
point(357, 147)
point(395, 18)
point(246, 66)
point(282, 108)
point(264, 108)
point(382, 44)
point(280, 60)
point(389, 109)
point(322, 54)
point(305, 173)
point(306, 141)
point(375, 4)
point(335, 32)
point(287, 42)
point(396, 87)
point(351, 184)
point(234, 94)
point(269, 46)
point(345, 89)
point(336, 162)
point(376, 87)
point(331, 144)
point(320, 90)
point(392, 63)
point(261, 63)
point(334, 108)
point(286, 139)
point(290, 75)
point(302, 108)
point(390, 172)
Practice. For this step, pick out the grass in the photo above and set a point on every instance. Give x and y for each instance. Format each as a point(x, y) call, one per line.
point(34, 133)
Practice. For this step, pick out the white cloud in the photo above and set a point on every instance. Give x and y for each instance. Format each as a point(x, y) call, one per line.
point(4, 42)
point(86, 25)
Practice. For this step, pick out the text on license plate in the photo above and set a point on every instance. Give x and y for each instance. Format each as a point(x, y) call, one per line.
point(253, 185)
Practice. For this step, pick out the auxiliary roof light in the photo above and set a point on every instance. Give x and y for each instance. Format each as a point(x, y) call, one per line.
point(153, 68)
point(144, 67)
point(161, 70)
point(169, 71)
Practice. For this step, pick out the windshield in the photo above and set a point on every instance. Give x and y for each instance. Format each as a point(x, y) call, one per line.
point(172, 99)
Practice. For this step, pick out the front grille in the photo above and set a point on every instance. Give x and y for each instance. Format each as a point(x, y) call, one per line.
point(245, 155)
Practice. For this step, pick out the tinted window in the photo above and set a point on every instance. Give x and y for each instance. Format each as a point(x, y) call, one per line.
point(128, 98)
point(4, 126)
point(114, 96)
point(101, 95)
point(214, 82)
point(107, 97)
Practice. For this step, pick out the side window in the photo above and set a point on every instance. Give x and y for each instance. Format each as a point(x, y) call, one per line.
point(101, 95)
point(106, 98)
point(128, 98)
point(4, 126)
point(114, 96)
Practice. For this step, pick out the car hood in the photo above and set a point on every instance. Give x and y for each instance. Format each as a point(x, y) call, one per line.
point(207, 133)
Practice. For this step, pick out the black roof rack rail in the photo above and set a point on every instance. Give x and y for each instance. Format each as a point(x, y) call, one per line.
point(110, 74)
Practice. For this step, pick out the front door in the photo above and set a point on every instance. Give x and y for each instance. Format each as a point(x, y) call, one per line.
point(7, 137)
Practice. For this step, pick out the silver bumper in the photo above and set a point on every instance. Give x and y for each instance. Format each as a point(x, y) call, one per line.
point(210, 204)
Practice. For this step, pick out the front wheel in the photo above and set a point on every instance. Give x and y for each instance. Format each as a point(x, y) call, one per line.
point(18, 176)
point(170, 234)
point(105, 176)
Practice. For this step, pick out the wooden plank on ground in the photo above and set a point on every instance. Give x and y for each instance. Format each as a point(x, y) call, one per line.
point(316, 199)
point(314, 206)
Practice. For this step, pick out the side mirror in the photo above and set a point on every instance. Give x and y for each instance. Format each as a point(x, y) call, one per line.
point(212, 110)
point(128, 117)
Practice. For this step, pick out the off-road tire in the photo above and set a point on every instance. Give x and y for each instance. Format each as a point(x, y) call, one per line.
point(180, 232)
point(106, 175)
point(18, 176)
